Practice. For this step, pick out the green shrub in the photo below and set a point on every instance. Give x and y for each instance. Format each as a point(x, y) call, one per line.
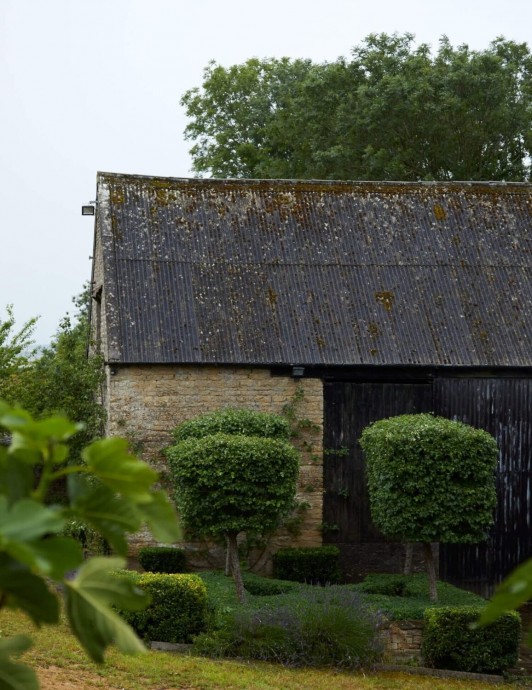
point(328, 626)
point(315, 565)
point(88, 538)
point(163, 559)
point(389, 585)
point(234, 421)
point(450, 643)
point(178, 608)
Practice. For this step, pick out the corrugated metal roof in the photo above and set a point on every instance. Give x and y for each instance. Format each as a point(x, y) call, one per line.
point(316, 273)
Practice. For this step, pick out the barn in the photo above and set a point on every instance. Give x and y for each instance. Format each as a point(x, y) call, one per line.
point(339, 302)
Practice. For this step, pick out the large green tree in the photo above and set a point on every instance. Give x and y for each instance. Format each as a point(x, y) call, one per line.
point(58, 378)
point(16, 352)
point(394, 110)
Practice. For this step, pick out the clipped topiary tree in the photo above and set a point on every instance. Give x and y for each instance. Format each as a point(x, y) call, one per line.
point(233, 471)
point(430, 479)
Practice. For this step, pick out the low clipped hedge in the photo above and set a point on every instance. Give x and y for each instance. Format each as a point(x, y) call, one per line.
point(387, 585)
point(234, 421)
point(450, 643)
point(314, 565)
point(406, 597)
point(163, 559)
point(178, 608)
point(265, 587)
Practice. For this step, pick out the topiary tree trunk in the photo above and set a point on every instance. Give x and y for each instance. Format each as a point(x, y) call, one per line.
point(431, 570)
point(228, 572)
point(409, 553)
point(234, 565)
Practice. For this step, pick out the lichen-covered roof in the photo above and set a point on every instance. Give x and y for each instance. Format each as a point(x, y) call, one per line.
point(316, 273)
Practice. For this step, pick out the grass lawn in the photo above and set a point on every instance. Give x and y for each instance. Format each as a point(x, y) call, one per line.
point(62, 665)
point(55, 648)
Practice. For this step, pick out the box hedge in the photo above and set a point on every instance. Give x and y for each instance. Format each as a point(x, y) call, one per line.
point(163, 559)
point(449, 642)
point(260, 586)
point(314, 565)
point(178, 608)
point(386, 584)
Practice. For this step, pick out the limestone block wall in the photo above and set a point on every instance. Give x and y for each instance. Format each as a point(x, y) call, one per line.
point(402, 641)
point(145, 402)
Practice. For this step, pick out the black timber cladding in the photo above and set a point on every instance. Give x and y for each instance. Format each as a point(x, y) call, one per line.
point(502, 407)
point(316, 273)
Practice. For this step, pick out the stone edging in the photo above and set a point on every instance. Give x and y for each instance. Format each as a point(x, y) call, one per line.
point(439, 673)
point(170, 647)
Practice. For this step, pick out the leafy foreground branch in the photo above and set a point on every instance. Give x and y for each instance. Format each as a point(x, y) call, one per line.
point(112, 492)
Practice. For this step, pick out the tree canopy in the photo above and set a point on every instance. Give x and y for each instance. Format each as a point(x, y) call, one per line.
point(16, 351)
point(393, 111)
point(58, 378)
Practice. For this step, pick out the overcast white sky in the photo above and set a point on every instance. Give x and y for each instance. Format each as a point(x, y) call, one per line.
point(95, 85)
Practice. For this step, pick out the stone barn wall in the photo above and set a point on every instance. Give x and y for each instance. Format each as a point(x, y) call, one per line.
point(144, 403)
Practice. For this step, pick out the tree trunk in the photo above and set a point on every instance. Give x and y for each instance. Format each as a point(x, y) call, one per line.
point(431, 571)
point(227, 558)
point(234, 564)
point(409, 553)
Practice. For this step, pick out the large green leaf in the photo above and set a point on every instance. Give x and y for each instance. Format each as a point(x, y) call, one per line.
point(112, 516)
point(89, 598)
point(161, 518)
point(115, 467)
point(15, 676)
point(26, 520)
point(27, 591)
point(13, 417)
point(52, 428)
point(52, 557)
point(31, 437)
point(515, 590)
point(16, 478)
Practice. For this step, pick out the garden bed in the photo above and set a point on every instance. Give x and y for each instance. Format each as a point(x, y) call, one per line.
point(396, 603)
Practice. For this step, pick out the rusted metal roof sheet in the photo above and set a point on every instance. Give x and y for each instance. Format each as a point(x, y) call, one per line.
point(316, 273)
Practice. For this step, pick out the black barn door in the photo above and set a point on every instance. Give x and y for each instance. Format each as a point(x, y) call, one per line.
point(504, 408)
point(349, 407)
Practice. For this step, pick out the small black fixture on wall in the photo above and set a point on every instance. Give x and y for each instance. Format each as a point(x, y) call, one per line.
point(298, 372)
point(88, 209)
